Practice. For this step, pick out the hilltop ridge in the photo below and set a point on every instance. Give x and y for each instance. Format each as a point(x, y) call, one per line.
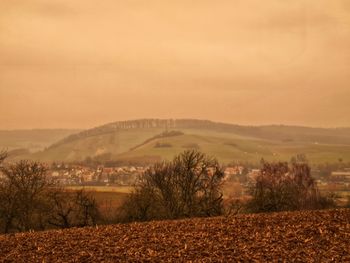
point(138, 141)
point(265, 131)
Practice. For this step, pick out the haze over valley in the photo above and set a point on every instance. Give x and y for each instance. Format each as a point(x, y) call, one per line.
point(174, 131)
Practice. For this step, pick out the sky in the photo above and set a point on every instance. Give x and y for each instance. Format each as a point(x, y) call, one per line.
point(80, 64)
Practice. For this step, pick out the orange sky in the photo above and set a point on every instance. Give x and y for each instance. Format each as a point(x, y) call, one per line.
point(78, 64)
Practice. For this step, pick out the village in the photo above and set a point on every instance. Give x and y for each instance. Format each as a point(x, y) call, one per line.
point(75, 174)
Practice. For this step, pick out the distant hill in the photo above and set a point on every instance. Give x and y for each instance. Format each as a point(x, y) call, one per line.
point(156, 139)
point(31, 140)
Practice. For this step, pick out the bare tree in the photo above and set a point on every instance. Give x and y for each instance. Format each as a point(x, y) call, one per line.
point(188, 186)
point(86, 209)
point(62, 205)
point(29, 200)
point(22, 189)
point(281, 187)
point(72, 208)
point(3, 156)
point(140, 206)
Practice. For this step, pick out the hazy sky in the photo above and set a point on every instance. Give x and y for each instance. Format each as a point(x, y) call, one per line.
point(81, 63)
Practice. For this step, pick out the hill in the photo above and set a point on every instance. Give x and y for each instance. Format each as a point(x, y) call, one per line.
point(32, 140)
point(307, 236)
point(149, 140)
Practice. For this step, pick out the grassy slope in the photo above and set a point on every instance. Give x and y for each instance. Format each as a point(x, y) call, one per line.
point(224, 141)
point(114, 143)
point(229, 147)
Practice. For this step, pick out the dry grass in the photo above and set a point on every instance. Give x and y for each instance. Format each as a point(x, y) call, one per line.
point(309, 236)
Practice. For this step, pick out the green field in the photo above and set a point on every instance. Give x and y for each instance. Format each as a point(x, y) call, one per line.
point(113, 143)
point(229, 147)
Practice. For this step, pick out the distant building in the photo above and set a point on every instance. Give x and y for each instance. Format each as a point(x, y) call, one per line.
point(230, 172)
point(55, 174)
point(253, 174)
point(340, 175)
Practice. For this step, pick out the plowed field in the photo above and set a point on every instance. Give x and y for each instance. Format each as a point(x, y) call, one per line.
point(310, 236)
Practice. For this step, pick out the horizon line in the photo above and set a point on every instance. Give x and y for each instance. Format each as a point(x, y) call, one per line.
point(213, 121)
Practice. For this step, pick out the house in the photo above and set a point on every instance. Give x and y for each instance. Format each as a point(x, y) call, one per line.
point(341, 176)
point(253, 174)
point(87, 177)
point(55, 174)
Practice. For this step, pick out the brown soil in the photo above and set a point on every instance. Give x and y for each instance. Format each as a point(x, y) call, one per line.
point(310, 236)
